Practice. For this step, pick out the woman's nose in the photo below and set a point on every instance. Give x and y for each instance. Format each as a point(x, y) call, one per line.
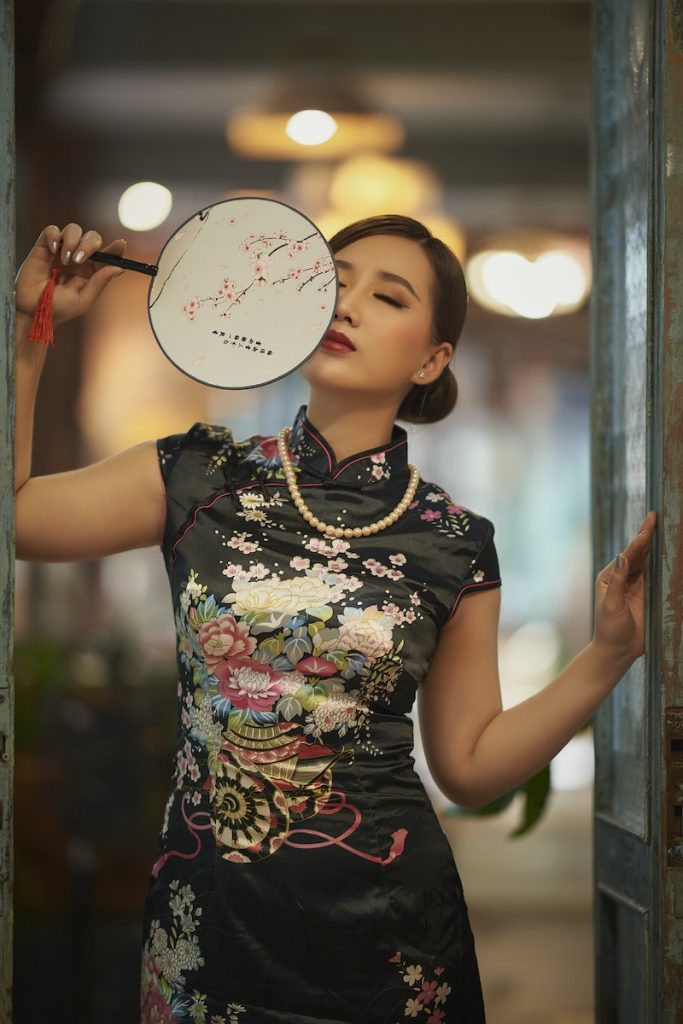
point(346, 308)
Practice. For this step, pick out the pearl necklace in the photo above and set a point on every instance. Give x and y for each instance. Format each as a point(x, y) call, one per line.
point(328, 528)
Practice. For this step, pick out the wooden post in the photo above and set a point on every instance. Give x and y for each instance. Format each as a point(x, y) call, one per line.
point(7, 274)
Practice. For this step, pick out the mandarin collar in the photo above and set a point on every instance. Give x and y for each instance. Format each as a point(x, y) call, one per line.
point(312, 454)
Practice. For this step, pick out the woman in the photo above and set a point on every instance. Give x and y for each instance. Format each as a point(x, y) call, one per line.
point(302, 874)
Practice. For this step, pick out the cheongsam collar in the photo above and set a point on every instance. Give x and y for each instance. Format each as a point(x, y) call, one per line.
point(313, 455)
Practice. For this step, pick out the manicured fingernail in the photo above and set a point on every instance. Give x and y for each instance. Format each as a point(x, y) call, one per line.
point(66, 256)
point(79, 256)
point(53, 245)
point(619, 561)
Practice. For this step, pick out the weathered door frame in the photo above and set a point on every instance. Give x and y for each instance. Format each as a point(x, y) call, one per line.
point(637, 396)
point(7, 261)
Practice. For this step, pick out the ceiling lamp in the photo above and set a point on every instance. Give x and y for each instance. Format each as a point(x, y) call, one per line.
point(371, 184)
point(332, 220)
point(312, 117)
point(532, 274)
point(366, 185)
point(144, 206)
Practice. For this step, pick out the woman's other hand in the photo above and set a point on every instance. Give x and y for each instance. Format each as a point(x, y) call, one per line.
point(79, 282)
point(620, 598)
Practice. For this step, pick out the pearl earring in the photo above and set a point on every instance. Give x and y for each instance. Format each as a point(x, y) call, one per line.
point(421, 373)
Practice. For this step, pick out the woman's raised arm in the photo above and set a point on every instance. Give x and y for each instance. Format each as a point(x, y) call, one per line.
point(113, 505)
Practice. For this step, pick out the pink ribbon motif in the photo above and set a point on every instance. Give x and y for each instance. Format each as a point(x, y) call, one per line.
point(193, 828)
point(397, 846)
point(399, 836)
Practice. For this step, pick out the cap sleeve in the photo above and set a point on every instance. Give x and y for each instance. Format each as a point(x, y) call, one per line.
point(483, 572)
point(192, 467)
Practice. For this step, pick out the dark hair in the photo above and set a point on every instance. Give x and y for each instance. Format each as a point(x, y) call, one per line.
point(424, 403)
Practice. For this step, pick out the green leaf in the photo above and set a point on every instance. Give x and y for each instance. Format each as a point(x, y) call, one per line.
point(238, 716)
point(324, 612)
point(495, 807)
point(271, 646)
point(338, 658)
point(288, 707)
point(263, 622)
point(297, 648)
point(536, 791)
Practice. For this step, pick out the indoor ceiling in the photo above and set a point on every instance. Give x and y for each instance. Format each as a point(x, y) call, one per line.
point(495, 97)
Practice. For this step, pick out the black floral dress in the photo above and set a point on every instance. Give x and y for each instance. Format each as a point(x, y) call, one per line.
point(302, 874)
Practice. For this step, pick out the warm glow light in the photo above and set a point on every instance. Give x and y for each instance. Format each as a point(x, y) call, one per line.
point(563, 274)
point(330, 221)
point(263, 135)
point(516, 283)
point(311, 127)
point(370, 184)
point(144, 206)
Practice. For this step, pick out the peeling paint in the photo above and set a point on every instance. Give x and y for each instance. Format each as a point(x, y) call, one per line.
point(637, 448)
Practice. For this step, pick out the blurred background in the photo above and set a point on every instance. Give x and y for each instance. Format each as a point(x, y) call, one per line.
point(471, 116)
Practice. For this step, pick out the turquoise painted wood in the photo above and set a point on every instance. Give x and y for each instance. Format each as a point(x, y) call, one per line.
point(637, 387)
point(7, 273)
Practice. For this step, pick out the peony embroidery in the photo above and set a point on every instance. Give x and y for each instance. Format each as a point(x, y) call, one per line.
point(278, 688)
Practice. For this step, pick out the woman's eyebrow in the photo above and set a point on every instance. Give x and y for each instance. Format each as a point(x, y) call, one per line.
point(384, 274)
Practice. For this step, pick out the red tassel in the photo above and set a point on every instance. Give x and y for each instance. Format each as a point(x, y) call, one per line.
point(42, 329)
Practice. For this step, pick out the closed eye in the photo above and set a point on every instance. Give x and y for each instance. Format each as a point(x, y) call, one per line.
point(385, 298)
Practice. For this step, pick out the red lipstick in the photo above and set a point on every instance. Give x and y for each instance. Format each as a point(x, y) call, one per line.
point(338, 339)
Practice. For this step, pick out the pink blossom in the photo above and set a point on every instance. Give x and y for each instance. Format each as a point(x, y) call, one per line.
point(428, 991)
point(430, 515)
point(259, 571)
point(190, 308)
point(436, 1016)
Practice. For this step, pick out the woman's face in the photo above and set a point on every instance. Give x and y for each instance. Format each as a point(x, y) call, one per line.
point(385, 310)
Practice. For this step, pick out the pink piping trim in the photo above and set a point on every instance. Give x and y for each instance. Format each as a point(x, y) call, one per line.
point(471, 586)
point(329, 458)
point(165, 501)
point(360, 457)
point(223, 494)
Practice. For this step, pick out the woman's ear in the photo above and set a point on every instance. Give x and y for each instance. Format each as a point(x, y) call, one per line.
point(439, 357)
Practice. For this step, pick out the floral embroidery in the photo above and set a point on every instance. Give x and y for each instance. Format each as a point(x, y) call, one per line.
point(272, 675)
point(166, 956)
point(296, 657)
point(430, 994)
point(253, 504)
